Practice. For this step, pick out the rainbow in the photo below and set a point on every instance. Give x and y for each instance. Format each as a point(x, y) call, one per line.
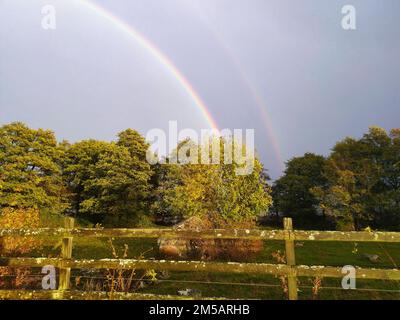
point(181, 79)
point(256, 96)
point(156, 53)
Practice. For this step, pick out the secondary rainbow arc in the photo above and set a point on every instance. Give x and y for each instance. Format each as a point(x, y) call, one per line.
point(256, 96)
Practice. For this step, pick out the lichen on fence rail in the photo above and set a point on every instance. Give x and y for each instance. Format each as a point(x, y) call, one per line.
point(224, 267)
point(354, 236)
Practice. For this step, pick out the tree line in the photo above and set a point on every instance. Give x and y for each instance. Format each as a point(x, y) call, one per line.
point(357, 186)
point(112, 183)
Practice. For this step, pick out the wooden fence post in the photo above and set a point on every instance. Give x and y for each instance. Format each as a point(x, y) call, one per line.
point(290, 258)
point(66, 253)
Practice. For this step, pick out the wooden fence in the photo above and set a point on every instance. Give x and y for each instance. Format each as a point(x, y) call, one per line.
point(66, 262)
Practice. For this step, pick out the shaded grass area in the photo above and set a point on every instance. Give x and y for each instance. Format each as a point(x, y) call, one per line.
point(255, 286)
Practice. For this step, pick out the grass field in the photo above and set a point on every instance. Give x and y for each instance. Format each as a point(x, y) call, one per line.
point(257, 286)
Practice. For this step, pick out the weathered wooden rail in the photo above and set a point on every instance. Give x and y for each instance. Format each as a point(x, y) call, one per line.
point(290, 269)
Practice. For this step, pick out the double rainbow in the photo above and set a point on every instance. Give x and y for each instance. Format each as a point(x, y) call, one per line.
point(181, 79)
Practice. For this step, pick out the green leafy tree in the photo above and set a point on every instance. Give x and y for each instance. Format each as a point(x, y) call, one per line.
point(30, 171)
point(136, 145)
point(388, 216)
point(363, 182)
point(214, 192)
point(292, 192)
point(108, 180)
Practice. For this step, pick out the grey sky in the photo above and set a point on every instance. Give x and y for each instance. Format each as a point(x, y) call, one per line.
point(318, 82)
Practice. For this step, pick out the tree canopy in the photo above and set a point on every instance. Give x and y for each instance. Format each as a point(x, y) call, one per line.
point(364, 181)
point(292, 192)
point(356, 186)
point(30, 170)
point(107, 178)
point(213, 191)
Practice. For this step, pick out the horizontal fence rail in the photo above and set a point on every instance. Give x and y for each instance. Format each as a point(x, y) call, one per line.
point(353, 236)
point(289, 270)
point(220, 267)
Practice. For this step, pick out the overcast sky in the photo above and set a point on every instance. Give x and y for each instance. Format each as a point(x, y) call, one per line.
point(285, 68)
